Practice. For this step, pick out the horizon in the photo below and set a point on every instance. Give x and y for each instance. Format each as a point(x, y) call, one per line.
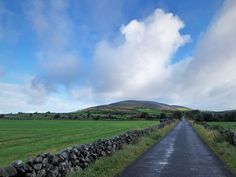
point(63, 56)
point(109, 103)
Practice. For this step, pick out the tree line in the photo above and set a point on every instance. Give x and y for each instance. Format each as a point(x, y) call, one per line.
point(212, 116)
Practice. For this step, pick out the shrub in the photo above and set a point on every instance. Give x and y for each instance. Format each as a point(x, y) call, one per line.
point(56, 116)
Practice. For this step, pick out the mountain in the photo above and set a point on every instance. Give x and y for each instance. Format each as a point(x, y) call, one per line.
point(132, 107)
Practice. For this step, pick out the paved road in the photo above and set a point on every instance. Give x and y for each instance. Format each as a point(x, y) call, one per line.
point(180, 154)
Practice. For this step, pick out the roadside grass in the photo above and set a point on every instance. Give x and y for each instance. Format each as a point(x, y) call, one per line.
point(224, 150)
point(21, 139)
point(113, 165)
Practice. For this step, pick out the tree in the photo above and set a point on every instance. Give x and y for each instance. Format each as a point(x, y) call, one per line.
point(208, 116)
point(70, 116)
point(56, 116)
point(144, 115)
point(88, 115)
point(162, 116)
point(177, 115)
point(96, 117)
point(2, 116)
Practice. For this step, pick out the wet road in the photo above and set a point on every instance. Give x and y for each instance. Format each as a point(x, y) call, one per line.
point(180, 154)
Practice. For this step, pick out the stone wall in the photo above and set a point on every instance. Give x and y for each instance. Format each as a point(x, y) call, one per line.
point(228, 135)
point(73, 159)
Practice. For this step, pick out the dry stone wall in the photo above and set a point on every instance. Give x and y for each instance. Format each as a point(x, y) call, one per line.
point(74, 159)
point(228, 135)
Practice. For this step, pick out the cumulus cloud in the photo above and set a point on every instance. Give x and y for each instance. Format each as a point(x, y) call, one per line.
point(140, 66)
point(209, 81)
point(14, 98)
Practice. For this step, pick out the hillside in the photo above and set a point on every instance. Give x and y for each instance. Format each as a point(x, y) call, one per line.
point(123, 110)
point(134, 104)
point(130, 109)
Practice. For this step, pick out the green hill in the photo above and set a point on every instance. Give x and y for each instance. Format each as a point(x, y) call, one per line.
point(123, 110)
point(129, 109)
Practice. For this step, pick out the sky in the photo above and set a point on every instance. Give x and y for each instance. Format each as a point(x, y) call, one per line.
point(66, 55)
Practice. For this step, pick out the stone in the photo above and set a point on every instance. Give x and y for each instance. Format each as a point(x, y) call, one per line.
point(41, 173)
point(234, 138)
point(45, 154)
point(49, 167)
point(64, 155)
point(38, 159)
point(72, 156)
point(55, 160)
point(18, 163)
point(53, 173)
point(27, 168)
point(37, 166)
point(30, 161)
point(11, 171)
point(3, 173)
point(33, 174)
point(103, 153)
point(45, 161)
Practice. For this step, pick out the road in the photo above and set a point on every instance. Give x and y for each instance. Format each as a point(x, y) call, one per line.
point(180, 154)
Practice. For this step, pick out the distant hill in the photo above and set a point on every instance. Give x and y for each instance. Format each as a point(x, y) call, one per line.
point(131, 108)
point(123, 110)
point(134, 104)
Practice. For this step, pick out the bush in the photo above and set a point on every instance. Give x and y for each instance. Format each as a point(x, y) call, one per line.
point(163, 116)
point(56, 116)
point(177, 115)
point(144, 115)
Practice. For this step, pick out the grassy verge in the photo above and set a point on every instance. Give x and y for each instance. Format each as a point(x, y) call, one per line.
point(223, 149)
point(113, 165)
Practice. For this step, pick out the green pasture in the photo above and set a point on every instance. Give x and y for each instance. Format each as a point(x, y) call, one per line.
point(20, 139)
point(227, 125)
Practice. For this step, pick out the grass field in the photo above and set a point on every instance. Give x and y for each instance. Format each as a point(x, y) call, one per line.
point(227, 125)
point(25, 138)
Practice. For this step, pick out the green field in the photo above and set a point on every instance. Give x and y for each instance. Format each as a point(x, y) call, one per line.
point(20, 139)
point(227, 125)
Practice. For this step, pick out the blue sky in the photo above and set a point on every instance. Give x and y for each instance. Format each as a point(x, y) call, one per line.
point(94, 21)
point(75, 51)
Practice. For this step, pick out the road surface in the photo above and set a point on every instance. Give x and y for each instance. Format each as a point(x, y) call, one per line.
point(180, 154)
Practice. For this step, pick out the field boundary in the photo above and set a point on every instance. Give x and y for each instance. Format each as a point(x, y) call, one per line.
point(220, 144)
point(76, 158)
point(227, 135)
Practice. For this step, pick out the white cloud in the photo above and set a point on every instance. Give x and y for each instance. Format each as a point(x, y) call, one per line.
point(14, 98)
point(139, 66)
point(210, 79)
